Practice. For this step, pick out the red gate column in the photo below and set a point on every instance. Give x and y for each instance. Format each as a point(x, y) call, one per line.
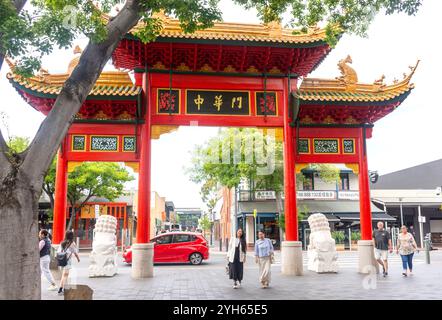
point(142, 251)
point(367, 262)
point(60, 200)
point(143, 208)
point(291, 248)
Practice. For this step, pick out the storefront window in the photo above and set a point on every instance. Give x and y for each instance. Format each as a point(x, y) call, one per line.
point(308, 181)
point(345, 181)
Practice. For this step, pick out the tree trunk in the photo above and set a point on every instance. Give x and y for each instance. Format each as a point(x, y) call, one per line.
point(71, 219)
point(19, 254)
point(21, 176)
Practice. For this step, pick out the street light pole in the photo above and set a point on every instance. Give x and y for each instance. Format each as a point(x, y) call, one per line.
point(421, 226)
point(402, 213)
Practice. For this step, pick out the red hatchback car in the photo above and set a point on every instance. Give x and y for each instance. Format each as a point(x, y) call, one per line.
point(176, 247)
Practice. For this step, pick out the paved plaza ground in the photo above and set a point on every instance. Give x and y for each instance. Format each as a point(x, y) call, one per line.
point(209, 281)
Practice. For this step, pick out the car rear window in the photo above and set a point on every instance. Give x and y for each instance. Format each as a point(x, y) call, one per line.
point(182, 238)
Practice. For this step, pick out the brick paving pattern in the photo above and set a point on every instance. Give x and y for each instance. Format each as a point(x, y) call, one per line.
point(209, 281)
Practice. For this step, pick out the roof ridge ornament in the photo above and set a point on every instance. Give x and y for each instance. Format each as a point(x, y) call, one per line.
point(274, 28)
point(74, 62)
point(348, 77)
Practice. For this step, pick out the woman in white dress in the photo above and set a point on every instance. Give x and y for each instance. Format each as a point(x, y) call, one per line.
point(263, 256)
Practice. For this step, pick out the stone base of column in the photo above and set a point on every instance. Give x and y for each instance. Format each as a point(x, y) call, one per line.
point(142, 260)
point(291, 258)
point(367, 261)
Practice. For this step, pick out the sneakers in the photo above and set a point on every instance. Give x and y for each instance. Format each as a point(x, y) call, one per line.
point(404, 274)
point(60, 291)
point(52, 287)
point(235, 286)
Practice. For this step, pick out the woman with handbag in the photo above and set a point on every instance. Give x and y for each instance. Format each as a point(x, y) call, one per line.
point(236, 257)
point(406, 245)
point(264, 256)
point(65, 250)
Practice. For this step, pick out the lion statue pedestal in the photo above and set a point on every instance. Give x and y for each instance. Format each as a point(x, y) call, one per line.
point(322, 255)
point(103, 258)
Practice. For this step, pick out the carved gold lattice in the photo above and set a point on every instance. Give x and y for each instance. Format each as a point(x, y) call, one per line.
point(229, 68)
point(206, 68)
point(183, 67)
point(159, 66)
point(252, 69)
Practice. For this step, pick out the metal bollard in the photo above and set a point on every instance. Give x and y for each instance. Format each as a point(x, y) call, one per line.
point(427, 251)
point(220, 244)
point(227, 244)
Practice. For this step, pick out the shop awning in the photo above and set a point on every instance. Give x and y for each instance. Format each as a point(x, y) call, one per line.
point(329, 216)
point(334, 210)
point(261, 207)
point(334, 206)
point(343, 210)
point(374, 217)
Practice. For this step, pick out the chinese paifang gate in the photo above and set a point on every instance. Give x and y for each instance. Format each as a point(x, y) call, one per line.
point(232, 74)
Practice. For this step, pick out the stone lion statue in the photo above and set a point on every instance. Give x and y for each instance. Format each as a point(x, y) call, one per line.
point(322, 255)
point(103, 258)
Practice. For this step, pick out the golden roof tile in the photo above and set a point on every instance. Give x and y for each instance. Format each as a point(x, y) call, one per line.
point(344, 88)
point(110, 83)
point(271, 32)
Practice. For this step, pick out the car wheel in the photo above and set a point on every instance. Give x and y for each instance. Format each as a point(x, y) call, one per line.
point(196, 258)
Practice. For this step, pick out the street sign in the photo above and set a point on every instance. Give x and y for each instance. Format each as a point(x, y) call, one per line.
point(97, 211)
point(422, 219)
point(255, 212)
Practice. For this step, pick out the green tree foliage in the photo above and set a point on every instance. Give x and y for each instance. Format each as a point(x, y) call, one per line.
point(29, 33)
point(205, 223)
point(352, 16)
point(18, 144)
point(32, 32)
point(95, 179)
point(49, 183)
point(228, 158)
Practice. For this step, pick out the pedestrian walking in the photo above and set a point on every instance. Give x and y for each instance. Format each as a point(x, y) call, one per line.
point(406, 246)
point(45, 257)
point(264, 256)
point(236, 257)
point(382, 244)
point(65, 251)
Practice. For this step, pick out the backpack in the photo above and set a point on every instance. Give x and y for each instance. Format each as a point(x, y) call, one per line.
point(62, 257)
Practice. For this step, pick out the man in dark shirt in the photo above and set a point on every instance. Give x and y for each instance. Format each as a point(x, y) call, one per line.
point(382, 244)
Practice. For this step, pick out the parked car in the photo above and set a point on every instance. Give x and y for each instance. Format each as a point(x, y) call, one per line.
point(176, 247)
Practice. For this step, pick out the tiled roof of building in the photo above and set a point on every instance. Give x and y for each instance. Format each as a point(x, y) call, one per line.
point(110, 83)
point(347, 89)
point(424, 176)
point(271, 32)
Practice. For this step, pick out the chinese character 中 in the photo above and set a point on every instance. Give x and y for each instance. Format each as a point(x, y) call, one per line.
point(199, 101)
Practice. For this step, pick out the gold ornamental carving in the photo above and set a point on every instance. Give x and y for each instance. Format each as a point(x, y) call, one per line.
point(348, 76)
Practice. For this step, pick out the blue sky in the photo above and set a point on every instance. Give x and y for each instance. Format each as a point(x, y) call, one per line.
point(408, 136)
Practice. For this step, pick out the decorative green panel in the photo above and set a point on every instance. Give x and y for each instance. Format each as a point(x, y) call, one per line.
point(104, 143)
point(78, 143)
point(348, 146)
point(303, 146)
point(129, 143)
point(326, 146)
